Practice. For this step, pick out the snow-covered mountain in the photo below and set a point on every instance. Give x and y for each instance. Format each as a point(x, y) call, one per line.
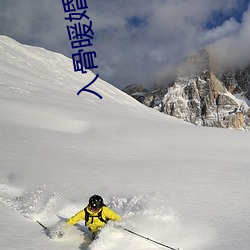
point(201, 96)
point(182, 185)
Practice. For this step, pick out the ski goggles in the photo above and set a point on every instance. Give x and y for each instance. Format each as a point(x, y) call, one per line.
point(94, 208)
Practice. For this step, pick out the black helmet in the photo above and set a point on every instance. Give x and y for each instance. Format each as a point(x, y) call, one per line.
point(96, 202)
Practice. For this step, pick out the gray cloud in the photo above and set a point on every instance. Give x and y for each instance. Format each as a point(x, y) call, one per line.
point(35, 22)
point(136, 41)
point(233, 49)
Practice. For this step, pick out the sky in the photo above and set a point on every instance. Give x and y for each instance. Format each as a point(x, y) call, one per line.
point(137, 41)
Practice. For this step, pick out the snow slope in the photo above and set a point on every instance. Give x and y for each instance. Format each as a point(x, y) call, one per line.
point(176, 183)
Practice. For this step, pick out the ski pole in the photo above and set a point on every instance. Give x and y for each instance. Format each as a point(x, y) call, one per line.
point(45, 228)
point(146, 238)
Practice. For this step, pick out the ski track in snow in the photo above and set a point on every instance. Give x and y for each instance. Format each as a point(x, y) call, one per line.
point(43, 117)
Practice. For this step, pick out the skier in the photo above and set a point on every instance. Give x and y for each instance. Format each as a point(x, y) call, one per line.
point(95, 214)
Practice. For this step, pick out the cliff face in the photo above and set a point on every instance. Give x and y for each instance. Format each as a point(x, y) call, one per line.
point(201, 97)
point(237, 81)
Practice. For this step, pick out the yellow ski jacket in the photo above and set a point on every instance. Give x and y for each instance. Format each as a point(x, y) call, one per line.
point(94, 223)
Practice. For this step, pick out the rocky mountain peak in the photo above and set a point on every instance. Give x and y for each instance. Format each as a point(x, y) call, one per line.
point(202, 97)
point(196, 64)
